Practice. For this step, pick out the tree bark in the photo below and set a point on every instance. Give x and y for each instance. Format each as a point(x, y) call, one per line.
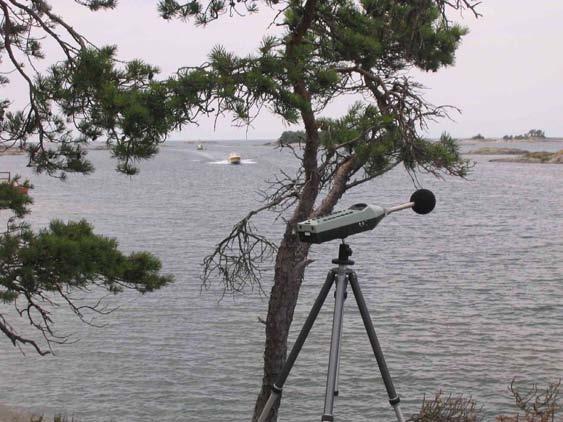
point(289, 269)
point(290, 266)
point(292, 254)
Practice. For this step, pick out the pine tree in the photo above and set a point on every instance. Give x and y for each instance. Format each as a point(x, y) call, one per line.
point(39, 271)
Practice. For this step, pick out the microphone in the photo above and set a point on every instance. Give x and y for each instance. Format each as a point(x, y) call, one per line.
point(422, 202)
point(358, 218)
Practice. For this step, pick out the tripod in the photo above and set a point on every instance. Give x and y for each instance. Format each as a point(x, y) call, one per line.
point(341, 276)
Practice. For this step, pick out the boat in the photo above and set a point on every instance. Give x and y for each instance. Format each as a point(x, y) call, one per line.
point(199, 147)
point(233, 158)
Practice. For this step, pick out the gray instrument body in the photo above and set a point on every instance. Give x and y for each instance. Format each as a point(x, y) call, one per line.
point(356, 219)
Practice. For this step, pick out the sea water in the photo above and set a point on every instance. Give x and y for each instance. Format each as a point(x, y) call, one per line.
point(463, 299)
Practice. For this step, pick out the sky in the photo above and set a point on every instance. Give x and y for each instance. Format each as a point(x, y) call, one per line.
point(507, 78)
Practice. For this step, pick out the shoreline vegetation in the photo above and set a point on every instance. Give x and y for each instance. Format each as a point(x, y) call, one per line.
point(531, 404)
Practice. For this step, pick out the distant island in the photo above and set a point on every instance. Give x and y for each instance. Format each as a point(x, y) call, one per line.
point(521, 156)
point(530, 136)
point(289, 137)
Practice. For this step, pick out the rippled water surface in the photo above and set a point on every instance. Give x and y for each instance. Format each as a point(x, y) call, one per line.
point(463, 299)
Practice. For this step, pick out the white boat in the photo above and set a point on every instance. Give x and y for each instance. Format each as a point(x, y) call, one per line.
point(233, 158)
point(199, 147)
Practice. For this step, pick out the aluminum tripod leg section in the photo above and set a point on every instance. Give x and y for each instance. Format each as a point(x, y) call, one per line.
point(278, 386)
point(393, 396)
point(334, 357)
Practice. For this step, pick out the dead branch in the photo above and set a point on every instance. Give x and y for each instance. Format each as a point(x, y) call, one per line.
point(447, 409)
point(537, 405)
point(238, 257)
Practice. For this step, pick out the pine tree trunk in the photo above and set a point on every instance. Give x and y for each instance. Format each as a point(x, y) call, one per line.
point(291, 261)
point(291, 256)
point(290, 266)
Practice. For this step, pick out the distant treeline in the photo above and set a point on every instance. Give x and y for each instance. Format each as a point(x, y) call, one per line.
point(531, 134)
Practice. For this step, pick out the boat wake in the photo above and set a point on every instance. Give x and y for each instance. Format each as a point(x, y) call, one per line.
point(227, 162)
point(205, 155)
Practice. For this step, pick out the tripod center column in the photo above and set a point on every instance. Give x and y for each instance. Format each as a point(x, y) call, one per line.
point(332, 374)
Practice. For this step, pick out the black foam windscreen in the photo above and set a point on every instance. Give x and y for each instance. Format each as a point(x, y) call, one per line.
point(424, 201)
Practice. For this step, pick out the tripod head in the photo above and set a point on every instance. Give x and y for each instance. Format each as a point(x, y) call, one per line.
point(359, 218)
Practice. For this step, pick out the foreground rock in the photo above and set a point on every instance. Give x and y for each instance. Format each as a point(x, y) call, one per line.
point(540, 157)
point(9, 414)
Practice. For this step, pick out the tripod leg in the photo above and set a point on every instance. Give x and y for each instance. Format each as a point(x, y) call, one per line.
point(278, 386)
point(341, 283)
point(339, 349)
point(393, 397)
point(338, 361)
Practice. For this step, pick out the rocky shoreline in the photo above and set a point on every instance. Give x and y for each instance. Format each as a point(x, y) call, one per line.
point(498, 151)
point(520, 155)
point(540, 157)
